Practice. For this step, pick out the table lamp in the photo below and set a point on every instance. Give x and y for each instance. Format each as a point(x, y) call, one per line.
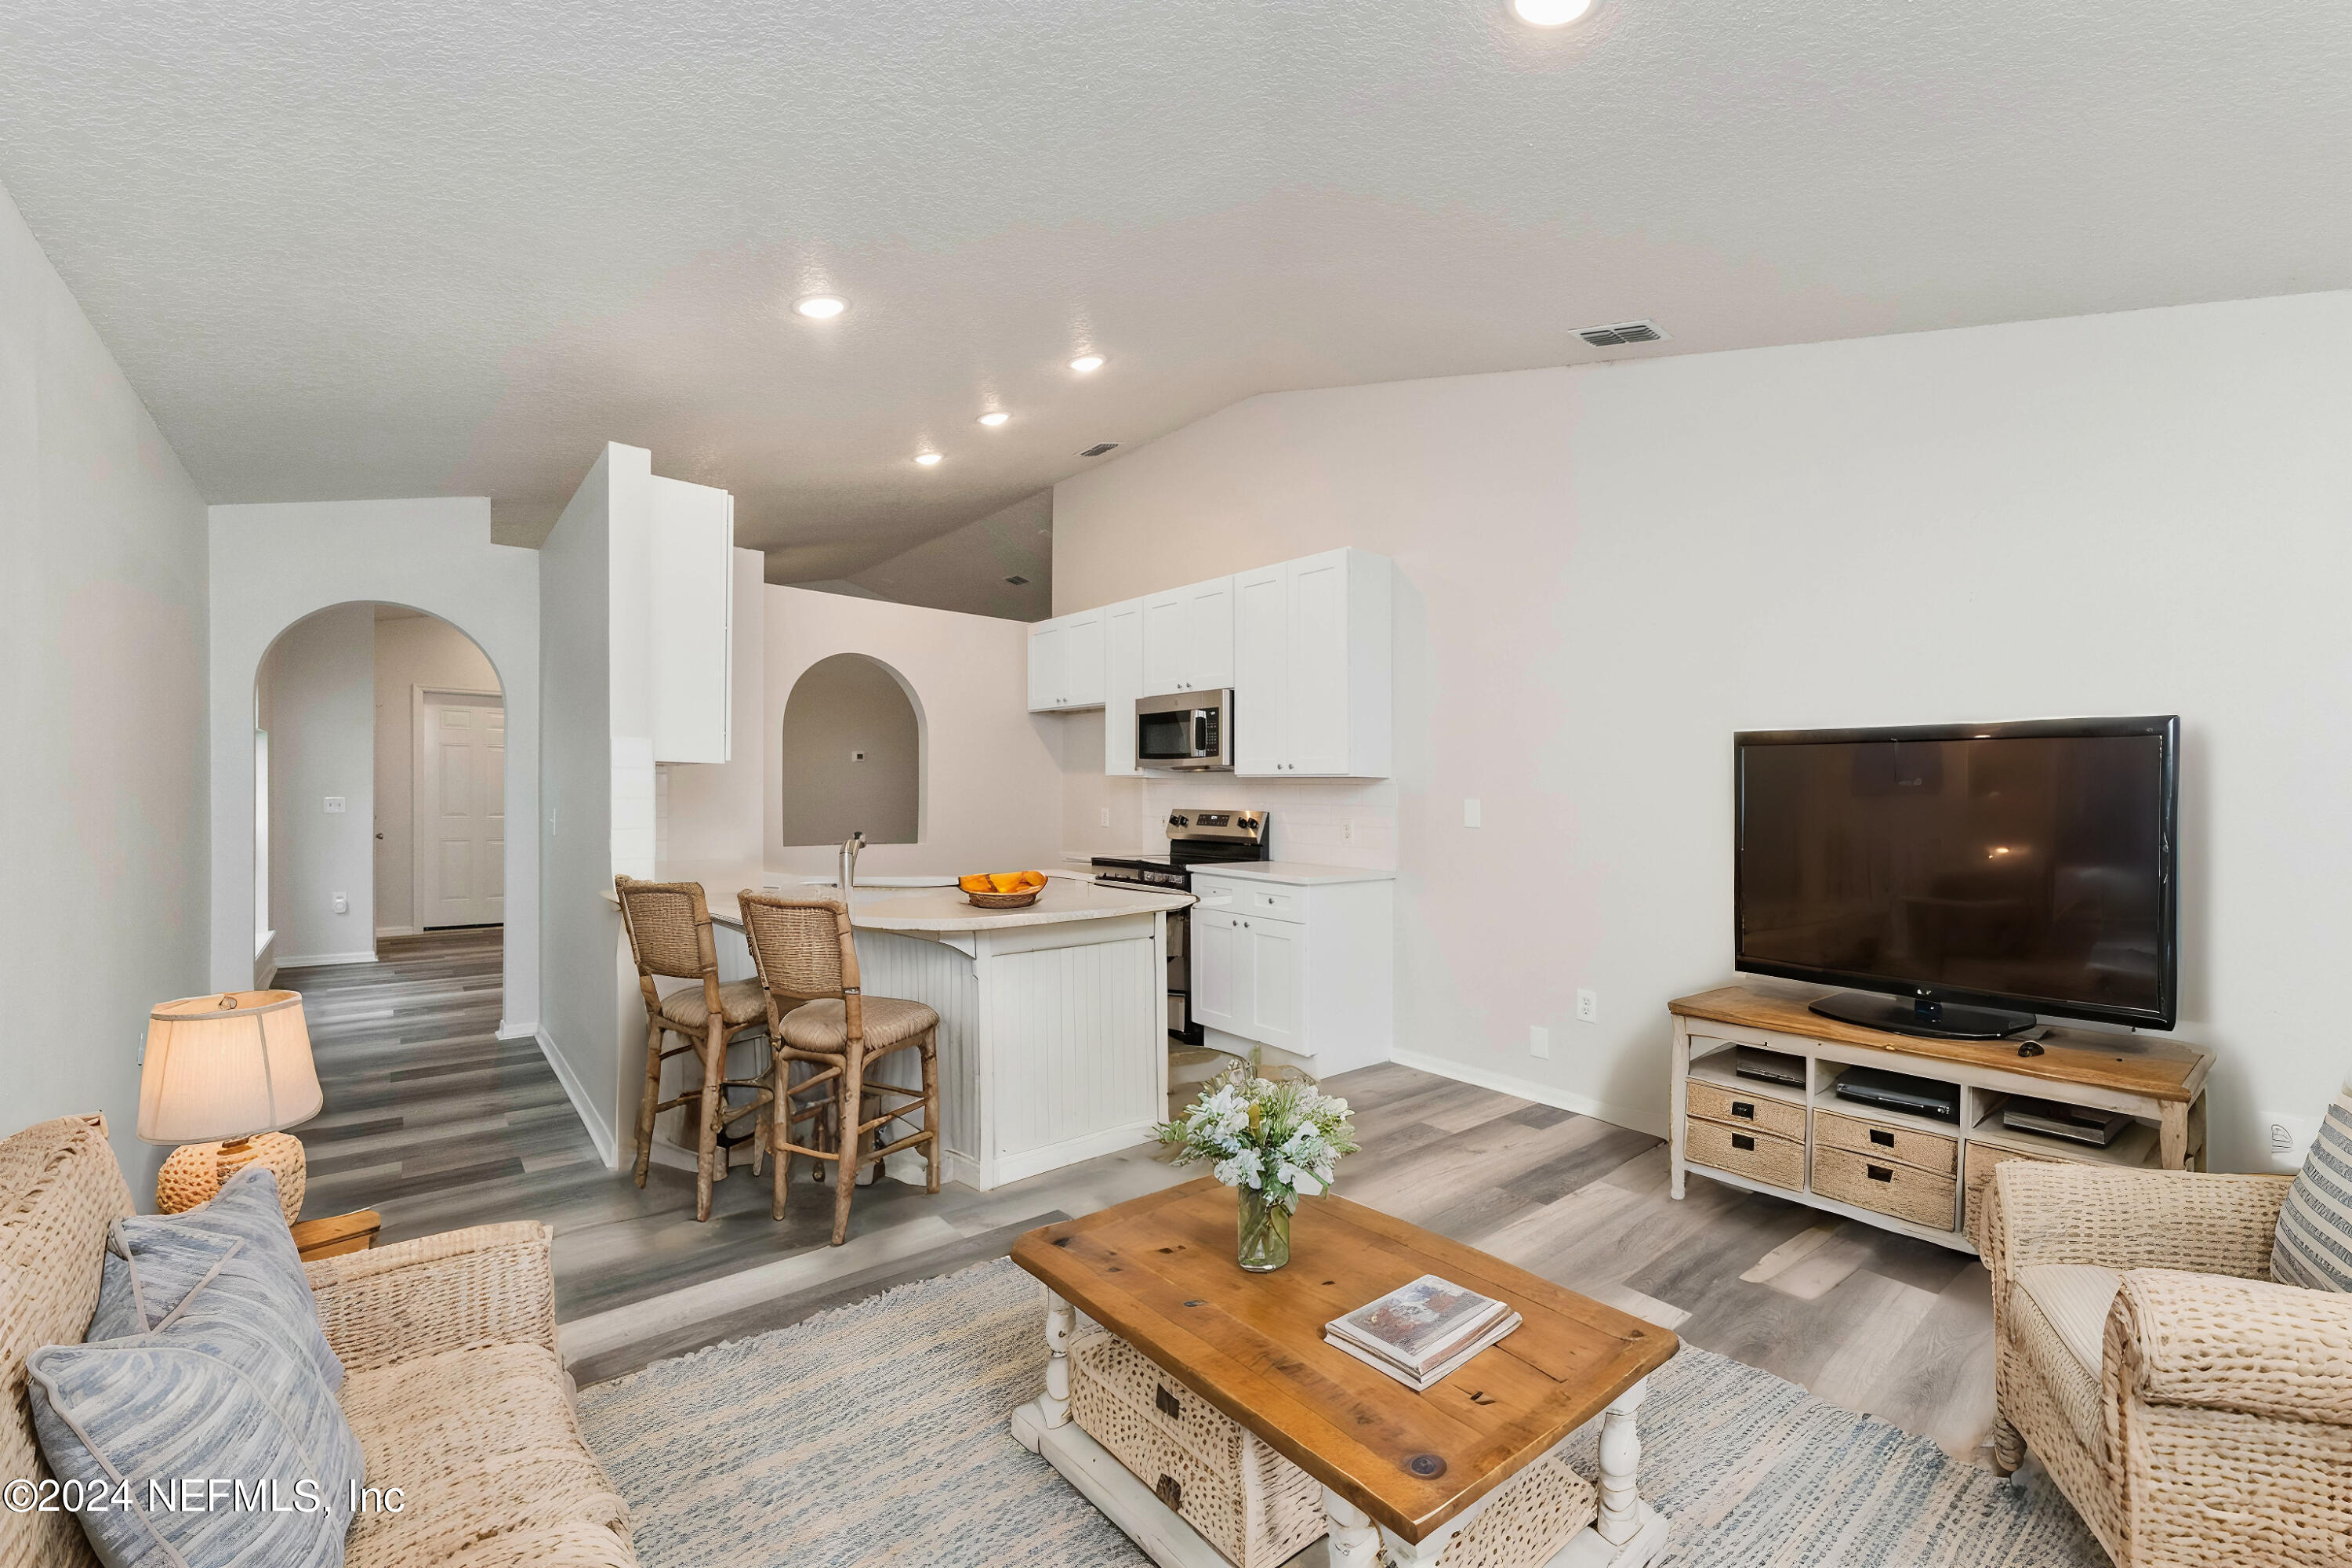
point(223, 1076)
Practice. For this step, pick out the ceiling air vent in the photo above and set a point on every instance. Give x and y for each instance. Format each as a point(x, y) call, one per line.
point(1099, 448)
point(1622, 334)
point(1018, 581)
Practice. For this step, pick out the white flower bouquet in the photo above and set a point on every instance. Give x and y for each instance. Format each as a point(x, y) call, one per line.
point(1272, 1142)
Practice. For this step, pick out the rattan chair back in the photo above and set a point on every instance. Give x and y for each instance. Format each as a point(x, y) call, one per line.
point(669, 928)
point(803, 948)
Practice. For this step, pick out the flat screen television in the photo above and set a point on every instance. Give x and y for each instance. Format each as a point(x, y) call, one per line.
point(1968, 877)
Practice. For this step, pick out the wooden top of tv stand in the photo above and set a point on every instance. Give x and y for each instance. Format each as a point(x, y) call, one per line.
point(2158, 1068)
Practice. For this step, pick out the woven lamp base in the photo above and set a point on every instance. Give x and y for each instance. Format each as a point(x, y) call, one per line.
point(195, 1172)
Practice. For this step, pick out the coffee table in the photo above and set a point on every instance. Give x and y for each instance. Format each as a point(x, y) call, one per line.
point(1401, 1473)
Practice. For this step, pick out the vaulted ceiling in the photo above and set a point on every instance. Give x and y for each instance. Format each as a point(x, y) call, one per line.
point(353, 248)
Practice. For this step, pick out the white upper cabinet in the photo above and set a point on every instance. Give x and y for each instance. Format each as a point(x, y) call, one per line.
point(1311, 681)
point(1065, 663)
point(1187, 638)
point(690, 600)
point(1122, 684)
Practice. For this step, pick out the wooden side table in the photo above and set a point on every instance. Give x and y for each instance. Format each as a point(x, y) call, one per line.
point(1403, 1473)
point(337, 1233)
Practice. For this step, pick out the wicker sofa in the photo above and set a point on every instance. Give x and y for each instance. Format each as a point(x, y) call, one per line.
point(2193, 1411)
point(451, 1376)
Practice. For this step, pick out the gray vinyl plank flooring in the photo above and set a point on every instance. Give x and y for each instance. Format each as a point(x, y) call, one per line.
point(433, 1121)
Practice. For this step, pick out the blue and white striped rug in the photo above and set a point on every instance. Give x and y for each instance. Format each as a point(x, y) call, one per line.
point(877, 1434)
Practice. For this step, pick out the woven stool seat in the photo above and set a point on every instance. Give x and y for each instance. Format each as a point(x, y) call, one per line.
point(739, 1002)
point(824, 1026)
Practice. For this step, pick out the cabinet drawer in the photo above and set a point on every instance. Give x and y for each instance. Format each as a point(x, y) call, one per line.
point(1281, 903)
point(1204, 889)
point(1777, 1161)
point(1983, 1158)
point(1883, 1187)
point(1781, 1118)
point(1903, 1145)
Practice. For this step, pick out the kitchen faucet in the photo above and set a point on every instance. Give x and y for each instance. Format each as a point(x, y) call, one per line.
point(849, 849)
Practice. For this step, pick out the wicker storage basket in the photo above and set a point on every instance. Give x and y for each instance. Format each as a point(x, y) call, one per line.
point(1529, 1521)
point(1885, 1187)
point(1245, 1499)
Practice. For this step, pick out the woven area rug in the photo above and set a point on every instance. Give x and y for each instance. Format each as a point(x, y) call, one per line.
point(877, 1434)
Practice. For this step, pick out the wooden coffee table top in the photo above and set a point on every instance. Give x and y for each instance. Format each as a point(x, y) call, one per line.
point(1160, 1273)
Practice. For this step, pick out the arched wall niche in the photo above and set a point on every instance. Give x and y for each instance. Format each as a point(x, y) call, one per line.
point(852, 755)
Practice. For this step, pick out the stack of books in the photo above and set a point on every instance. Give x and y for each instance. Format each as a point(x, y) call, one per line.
point(1420, 1332)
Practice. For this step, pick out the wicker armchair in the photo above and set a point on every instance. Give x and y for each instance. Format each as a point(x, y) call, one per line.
point(2193, 1411)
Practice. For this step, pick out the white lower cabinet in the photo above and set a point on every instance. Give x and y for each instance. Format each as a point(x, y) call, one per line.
point(1304, 971)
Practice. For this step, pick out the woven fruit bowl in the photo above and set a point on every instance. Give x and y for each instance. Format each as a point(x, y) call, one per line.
point(1020, 901)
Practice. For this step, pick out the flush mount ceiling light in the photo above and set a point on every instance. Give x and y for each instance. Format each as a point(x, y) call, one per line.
point(1550, 13)
point(1086, 362)
point(928, 460)
point(820, 307)
point(994, 417)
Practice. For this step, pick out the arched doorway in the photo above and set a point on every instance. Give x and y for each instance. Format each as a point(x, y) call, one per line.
point(380, 785)
point(852, 754)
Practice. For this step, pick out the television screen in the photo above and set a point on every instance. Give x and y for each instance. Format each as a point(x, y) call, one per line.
point(2026, 866)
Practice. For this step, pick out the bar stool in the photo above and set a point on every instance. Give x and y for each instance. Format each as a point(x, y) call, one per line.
point(807, 959)
point(669, 935)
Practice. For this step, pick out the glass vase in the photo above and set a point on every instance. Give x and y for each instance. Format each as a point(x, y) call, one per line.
point(1264, 1226)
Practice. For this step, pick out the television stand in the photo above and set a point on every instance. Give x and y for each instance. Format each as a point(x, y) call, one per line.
point(1792, 1135)
point(1922, 1017)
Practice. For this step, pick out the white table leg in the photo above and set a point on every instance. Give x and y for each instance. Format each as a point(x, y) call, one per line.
point(1052, 1408)
point(1355, 1541)
point(1621, 1450)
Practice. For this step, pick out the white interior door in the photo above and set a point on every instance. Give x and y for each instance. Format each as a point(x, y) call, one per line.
point(458, 846)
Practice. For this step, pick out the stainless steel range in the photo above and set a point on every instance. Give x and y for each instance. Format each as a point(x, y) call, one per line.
point(1196, 838)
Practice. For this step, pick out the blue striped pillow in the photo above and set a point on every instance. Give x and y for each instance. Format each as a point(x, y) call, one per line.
point(2314, 1244)
point(148, 1422)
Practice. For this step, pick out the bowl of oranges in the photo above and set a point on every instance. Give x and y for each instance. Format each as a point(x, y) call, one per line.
point(1002, 889)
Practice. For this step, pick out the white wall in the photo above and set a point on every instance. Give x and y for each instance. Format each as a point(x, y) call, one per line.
point(993, 780)
point(273, 565)
point(410, 651)
point(580, 929)
point(102, 634)
point(1605, 572)
point(320, 677)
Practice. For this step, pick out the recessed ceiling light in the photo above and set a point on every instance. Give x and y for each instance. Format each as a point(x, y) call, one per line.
point(1086, 362)
point(821, 307)
point(926, 458)
point(994, 417)
point(1550, 13)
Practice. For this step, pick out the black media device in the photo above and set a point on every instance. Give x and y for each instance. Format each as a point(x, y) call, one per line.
point(1973, 876)
point(1897, 1091)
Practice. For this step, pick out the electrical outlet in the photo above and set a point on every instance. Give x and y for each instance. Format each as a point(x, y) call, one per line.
point(1105, 816)
point(335, 805)
point(1469, 814)
point(1588, 1006)
point(342, 904)
point(857, 756)
point(2287, 1139)
point(1539, 1041)
point(1347, 830)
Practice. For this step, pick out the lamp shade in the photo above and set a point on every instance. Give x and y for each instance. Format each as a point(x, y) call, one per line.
point(226, 1066)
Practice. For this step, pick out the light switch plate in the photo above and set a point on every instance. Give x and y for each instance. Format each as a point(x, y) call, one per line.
point(1469, 814)
point(1539, 1041)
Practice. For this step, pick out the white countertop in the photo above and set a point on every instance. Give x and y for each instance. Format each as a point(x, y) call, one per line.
point(1298, 872)
point(933, 908)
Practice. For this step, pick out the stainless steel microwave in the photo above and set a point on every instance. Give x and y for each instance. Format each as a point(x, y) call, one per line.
point(1189, 731)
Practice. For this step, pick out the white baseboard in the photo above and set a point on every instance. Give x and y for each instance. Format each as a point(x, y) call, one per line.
point(600, 1132)
point(1649, 1120)
point(383, 931)
point(314, 960)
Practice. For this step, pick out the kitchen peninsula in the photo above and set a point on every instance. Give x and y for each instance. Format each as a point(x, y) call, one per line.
point(1053, 1029)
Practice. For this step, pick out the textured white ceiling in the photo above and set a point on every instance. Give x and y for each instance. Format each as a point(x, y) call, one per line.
point(355, 249)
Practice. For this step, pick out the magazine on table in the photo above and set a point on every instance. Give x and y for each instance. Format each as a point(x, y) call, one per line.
point(1421, 1327)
